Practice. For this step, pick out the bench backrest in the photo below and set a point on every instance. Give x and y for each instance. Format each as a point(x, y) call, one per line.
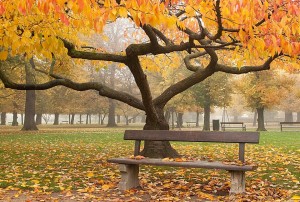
point(192, 136)
point(232, 123)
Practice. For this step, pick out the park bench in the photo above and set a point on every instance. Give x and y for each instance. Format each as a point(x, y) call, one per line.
point(190, 123)
point(289, 125)
point(240, 125)
point(129, 167)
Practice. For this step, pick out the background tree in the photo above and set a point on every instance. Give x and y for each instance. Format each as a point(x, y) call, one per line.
point(245, 31)
point(213, 92)
point(264, 90)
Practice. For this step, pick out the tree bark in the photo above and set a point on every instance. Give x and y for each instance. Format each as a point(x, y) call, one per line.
point(22, 119)
point(3, 118)
point(72, 119)
point(56, 119)
point(298, 116)
point(87, 119)
point(260, 120)
point(206, 124)
point(38, 119)
point(118, 118)
point(29, 122)
point(15, 119)
point(112, 102)
point(112, 113)
point(288, 116)
point(158, 149)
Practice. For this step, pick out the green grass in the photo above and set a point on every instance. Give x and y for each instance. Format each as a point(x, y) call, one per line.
point(57, 160)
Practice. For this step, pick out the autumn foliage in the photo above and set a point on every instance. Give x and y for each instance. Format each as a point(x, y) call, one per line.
point(263, 28)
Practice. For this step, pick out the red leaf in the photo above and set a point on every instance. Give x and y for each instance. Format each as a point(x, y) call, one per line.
point(64, 19)
point(81, 5)
point(2, 9)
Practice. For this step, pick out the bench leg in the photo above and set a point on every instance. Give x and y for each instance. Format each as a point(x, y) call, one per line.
point(129, 176)
point(237, 182)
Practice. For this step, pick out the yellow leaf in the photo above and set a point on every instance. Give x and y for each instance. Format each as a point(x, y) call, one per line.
point(35, 181)
point(189, 10)
point(296, 197)
point(123, 12)
point(3, 55)
point(105, 187)
point(90, 174)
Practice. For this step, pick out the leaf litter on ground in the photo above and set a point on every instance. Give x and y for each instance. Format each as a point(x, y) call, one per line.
point(73, 166)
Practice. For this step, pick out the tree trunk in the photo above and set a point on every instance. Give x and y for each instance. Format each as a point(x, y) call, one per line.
point(72, 119)
point(206, 124)
point(15, 119)
point(172, 119)
point(127, 120)
point(255, 118)
point(87, 119)
point(56, 119)
point(197, 118)
point(112, 113)
point(80, 120)
point(260, 119)
point(158, 149)
point(298, 116)
point(3, 118)
point(112, 103)
point(29, 122)
point(179, 120)
point(288, 116)
point(102, 119)
point(118, 118)
point(38, 119)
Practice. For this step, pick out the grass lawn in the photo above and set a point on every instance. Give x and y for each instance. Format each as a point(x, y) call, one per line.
point(70, 164)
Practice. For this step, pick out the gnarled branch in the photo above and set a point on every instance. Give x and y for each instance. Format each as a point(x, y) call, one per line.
point(102, 89)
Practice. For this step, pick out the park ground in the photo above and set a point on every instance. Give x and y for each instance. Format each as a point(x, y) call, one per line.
point(67, 163)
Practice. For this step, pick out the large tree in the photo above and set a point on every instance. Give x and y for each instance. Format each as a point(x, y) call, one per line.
point(246, 31)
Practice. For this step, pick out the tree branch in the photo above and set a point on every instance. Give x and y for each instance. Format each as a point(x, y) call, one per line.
point(102, 89)
point(151, 34)
point(246, 69)
point(73, 53)
point(189, 57)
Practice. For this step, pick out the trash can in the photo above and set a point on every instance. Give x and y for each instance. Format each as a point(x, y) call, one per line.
point(216, 125)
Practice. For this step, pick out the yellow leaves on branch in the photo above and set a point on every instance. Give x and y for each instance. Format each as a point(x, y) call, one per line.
point(66, 18)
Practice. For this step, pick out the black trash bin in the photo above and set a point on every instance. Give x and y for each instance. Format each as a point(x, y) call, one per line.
point(216, 125)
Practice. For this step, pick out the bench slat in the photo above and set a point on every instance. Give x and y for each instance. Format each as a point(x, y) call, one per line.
point(192, 136)
point(187, 164)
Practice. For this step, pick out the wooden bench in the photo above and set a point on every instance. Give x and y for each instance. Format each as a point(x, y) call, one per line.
point(240, 125)
point(289, 125)
point(129, 167)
